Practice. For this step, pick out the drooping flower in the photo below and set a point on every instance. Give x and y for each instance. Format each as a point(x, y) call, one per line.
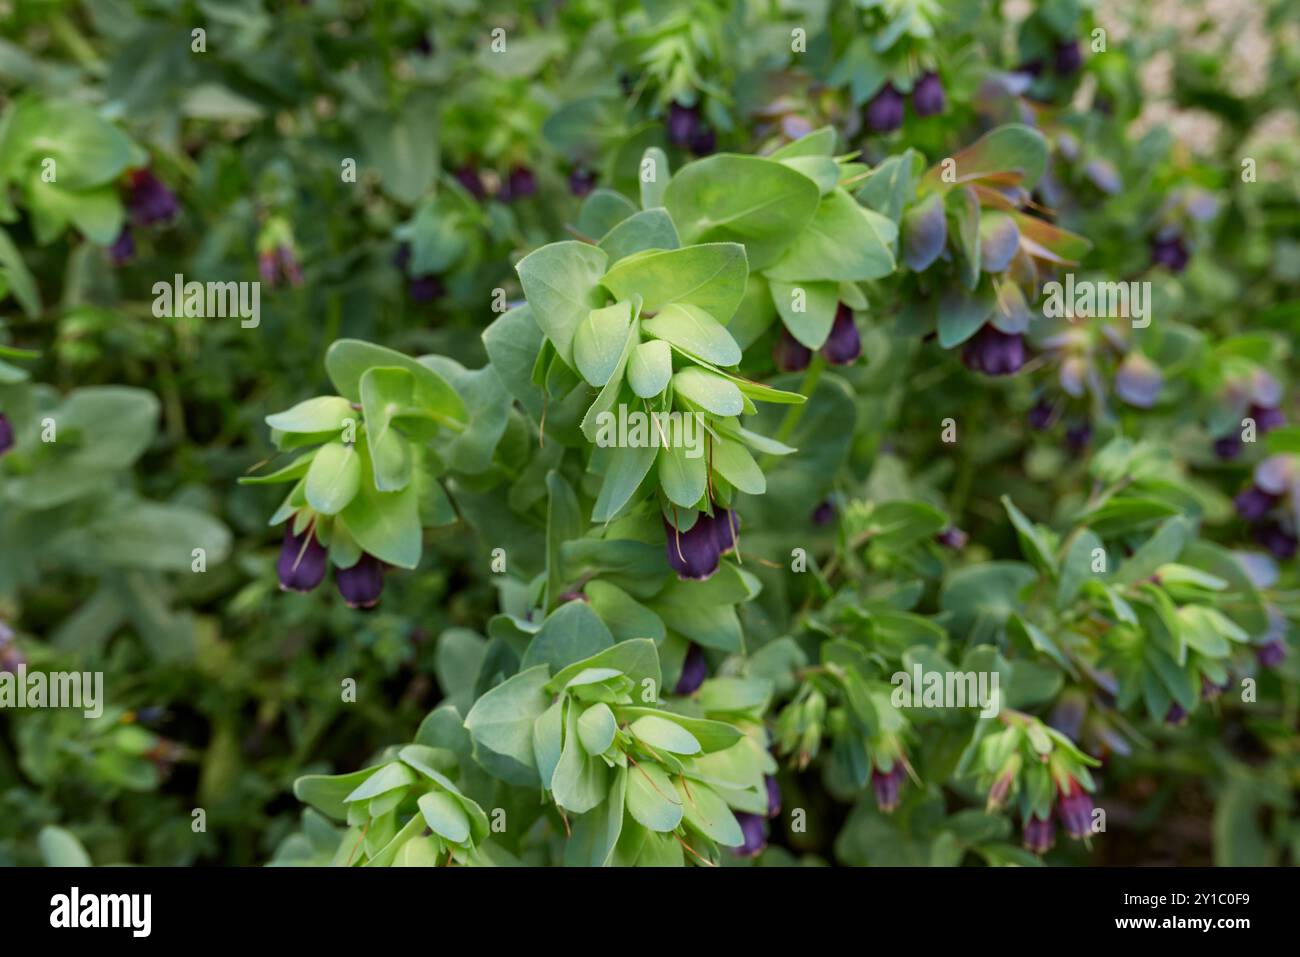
point(705, 140)
point(1277, 540)
point(1138, 381)
point(927, 96)
point(773, 796)
point(884, 112)
point(753, 829)
point(994, 352)
point(1076, 809)
point(303, 560)
point(1067, 57)
point(148, 200)
point(1039, 833)
point(887, 786)
point(122, 251)
point(581, 181)
point(1228, 447)
point(1271, 653)
point(683, 124)
point(789, 354)
point(1176, 714)
point(468, 177)
point(1254, 503)
point(426, 288)
point(520, 184)
point(824, 513)
point(725, 525)
point(843, 345)
point(952, 537)
point(1168, 250)
point(1078, 435)
point(6, 434)
point(1267, 418)
point(362, 584)
point(693, 553)
point(695, 668)
point(1041, 415)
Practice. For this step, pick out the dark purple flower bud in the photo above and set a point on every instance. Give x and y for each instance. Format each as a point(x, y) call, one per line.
point(773, 796)
point(695, 668)
point(927, 96)
point(267, 267)
point(753, 827)
point(1040, 834)
point(683, 123)
point(6, 434)
point(887, 786)
point(843, 345)
point(361, 584)
point(952, 537)
point(1078, 436)
point(705, 141)
point(424, 45)
point(468, 177)
point(402, 256)
point(1254, 503)
point(1169, 251)
point(149, 201)
point(725, 525)
point(824, 513)
point(1271, 654)
point(581, 181)
point(693, 553)
point(1068, 57)
point(1176, 714)
point(993, 352)
point(1267, 419)
point(789, 354)
point(123, 249)
point(1041, 415)
point(1076, 810)
point(1277, 540)
point(520, 184)
point(425, 288)
point(885, 110)
point(289, 267)
point(1228, 447)
point(303, 561)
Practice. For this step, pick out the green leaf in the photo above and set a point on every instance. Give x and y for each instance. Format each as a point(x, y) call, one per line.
point(713, 393)
point(598, 342)
point(648, 229)
point(625, 470)
point(1032, 542)
point(652, 800)
point(580, 781)
point(638, 659)
point(682, 478)
point(573, 632)
point(385, 524)
point(1076, 567)
point(325, 413)
point(333, 478)
point(385, 393)
point(502, 720)
point(811, 324)
point(710, 276)
point(653, 187)
point(404, 148)
point(649, 368)
point(844, 242)
point(347, 360)
point(1013, 153)
point(548, 740)
point(708, 814)
point(596, 728)
point(734, 463)
point(60, 848)
point(664, 734)
point(562, 284)
point(693, 330)
point(595, 834)
point(444, 816)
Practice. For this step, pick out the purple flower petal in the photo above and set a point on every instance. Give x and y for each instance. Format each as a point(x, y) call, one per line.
point(361, 584)
point(303, 561)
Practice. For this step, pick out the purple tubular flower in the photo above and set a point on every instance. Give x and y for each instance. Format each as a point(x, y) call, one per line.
point(1271, 654)
point(824, 513)
point(952, 537)
point(1078, 436)
point(1040, 833)
point(1076, 810)
point(694, 670)
point(843, 345)
point(1254, 503)
point(1277, 540)
point(361, 584)
point(303, 560)
point(927, 96)
point(773, 796)
point(683, 124)
point(1169, 251)
point(149, 201)
point(1068, 57)
point(693, 553)
point(705, 141)
point(1266, 418)
point(885, 110)
point(123, 249)
point(267, 267)
point(6, 434)
point(581, 181)
point(753, 828)
point(1228, 447)
point(789, 354)
point(887, 786)
point(725, 525)
point(1041, 415)
point(520, 184)
point(1176, 714)
point(425, 289)
point(1138, 381)
point(993, 352)
point(289, 266)
point(468, 177)
point(1209, 690)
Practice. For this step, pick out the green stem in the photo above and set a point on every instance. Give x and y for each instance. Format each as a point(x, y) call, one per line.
point(792, 416)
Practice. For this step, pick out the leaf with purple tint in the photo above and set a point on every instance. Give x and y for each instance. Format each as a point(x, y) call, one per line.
point(925, 230)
